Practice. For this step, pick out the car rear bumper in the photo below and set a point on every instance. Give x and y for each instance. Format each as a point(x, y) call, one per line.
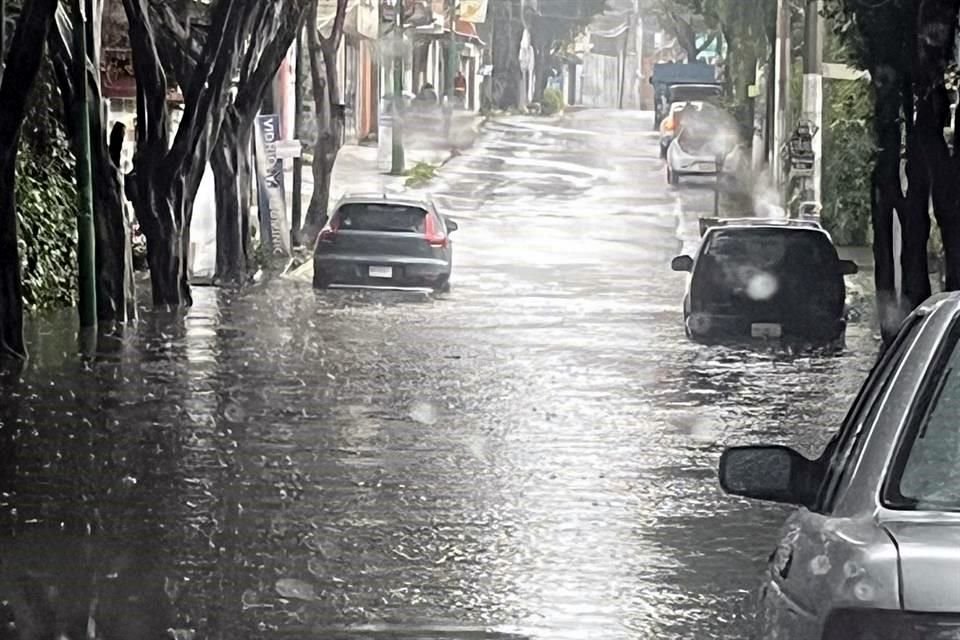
point(356, 271)
point(715, 327)
point(694, 166)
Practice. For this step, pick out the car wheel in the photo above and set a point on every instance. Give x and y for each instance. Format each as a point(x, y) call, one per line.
point(663, 152)
point(672, 177)
point(443, 287)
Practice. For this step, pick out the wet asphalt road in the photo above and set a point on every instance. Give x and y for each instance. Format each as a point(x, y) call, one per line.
point(531, 456)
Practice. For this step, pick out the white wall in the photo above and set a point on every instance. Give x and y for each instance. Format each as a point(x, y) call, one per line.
point(600, 81)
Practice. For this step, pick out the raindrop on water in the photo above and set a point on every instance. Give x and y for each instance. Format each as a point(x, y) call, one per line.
point(424, 413)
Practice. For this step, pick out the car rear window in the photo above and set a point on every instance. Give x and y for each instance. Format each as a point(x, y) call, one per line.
point(381, 217)
point(695, 93)
point(777, 266)
point(770, 248)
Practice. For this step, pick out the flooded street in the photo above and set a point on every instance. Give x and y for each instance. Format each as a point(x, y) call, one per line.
point(532, 455)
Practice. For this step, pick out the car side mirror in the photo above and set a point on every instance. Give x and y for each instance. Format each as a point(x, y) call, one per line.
point(452, 225)
point(849, 268)
point(682, 263)
point(775, 474)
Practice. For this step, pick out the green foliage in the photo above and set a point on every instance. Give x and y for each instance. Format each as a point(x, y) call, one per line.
point(421, 174)
point(552, 101)
point(848, 161)
point(46, 204)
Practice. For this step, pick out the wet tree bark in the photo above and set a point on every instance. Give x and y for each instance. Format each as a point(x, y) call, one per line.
point(273, 33)
point(541, 62)
point(11, 295)
point(329, 113)
point(166, 177)
point(507, 75)
point(934, 50)
point(232, 182)
point(914, 218)
point(885, 197)
point(19, 74)
point(113, 280)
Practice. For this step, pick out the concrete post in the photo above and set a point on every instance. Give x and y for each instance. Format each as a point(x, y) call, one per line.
point(781, 106)
point(813, 91)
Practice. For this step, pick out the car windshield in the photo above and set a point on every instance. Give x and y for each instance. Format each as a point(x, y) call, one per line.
point(929, 478)
point(381, 217)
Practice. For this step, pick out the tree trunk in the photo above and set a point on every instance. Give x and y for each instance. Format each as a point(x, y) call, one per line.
point(330, 125)
point(11, 295)
point(885, 197)
point(914, 218)
point(228, 164)
point(541, 60)
point(112, 246)
point(507, 36)
point(159, 207)
point(109, 219)
point(19, 74)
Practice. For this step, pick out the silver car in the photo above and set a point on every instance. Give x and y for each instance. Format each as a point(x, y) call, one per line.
point(385, 242)
point(874, 550)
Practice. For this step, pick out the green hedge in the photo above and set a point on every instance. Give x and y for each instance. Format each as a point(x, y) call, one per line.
point(46, 205)
point(848, 154)
point(552, 101)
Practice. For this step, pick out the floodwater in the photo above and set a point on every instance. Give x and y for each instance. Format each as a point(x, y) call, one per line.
point(531, 456)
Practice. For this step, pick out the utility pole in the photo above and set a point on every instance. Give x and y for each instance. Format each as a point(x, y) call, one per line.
point(298, 134)
point(451, 69)
point(624, 55)
point(397, 131)
point(781, 103)
point(86, 250)
point(813, 90)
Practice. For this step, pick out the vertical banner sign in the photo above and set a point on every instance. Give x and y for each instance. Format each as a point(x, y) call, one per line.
point(473, 11)
point(275, 229)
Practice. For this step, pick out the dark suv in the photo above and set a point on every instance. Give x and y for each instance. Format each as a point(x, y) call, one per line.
point(765, 279)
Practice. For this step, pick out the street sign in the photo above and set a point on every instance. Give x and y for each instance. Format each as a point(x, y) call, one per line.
point(289, 149)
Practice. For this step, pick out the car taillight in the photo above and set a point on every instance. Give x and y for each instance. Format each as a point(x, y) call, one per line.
point(434, 233)
point(669, 125)
point(880, 624)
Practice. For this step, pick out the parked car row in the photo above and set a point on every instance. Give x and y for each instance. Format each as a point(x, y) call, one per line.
point(873, 549)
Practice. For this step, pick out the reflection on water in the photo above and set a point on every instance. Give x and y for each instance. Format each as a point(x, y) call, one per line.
point(532, 456)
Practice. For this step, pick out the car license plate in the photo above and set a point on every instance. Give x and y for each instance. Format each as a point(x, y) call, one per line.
point(708, 166)
point(381, 272)
point(766, 330)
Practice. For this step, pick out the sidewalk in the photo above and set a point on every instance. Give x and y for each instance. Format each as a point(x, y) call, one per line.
point(358, 170)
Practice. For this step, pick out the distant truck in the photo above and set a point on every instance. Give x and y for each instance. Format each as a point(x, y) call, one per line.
point(680, 81)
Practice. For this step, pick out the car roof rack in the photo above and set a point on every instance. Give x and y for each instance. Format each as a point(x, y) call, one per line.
point(805, 223)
